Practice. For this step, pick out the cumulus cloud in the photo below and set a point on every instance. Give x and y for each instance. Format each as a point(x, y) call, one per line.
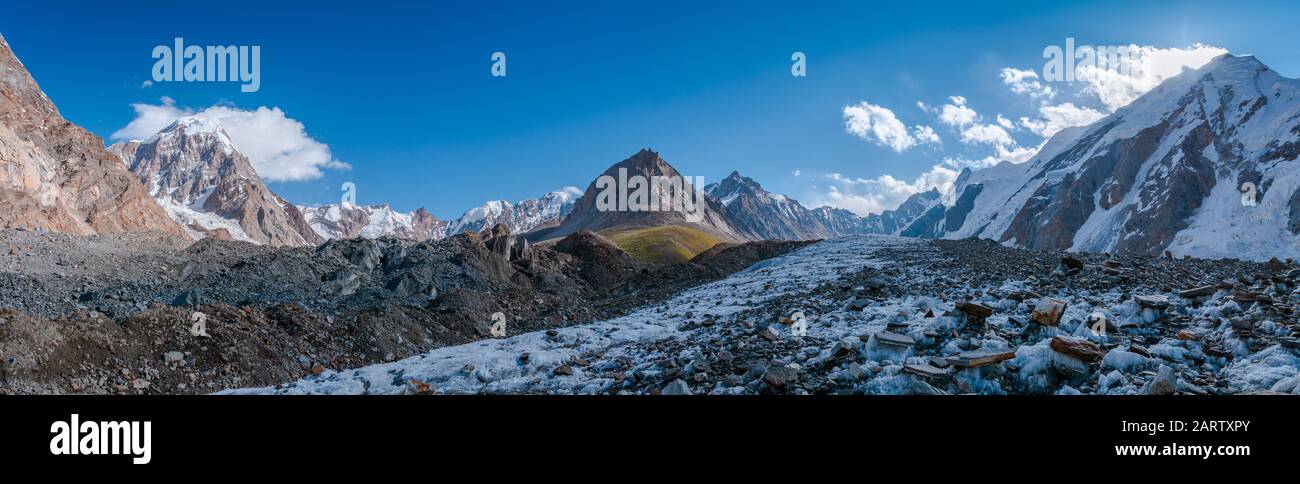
point(1109, 85)
point(925, 135)
point(955, 113)
point(864, 196)
point(1098, 92)
point(974, 132)
point(277, 146)
point(1056, 117)
point(1026, 82)
point(1010, 153)
point(881, 126)
point(1142, 71)
point(987, 134)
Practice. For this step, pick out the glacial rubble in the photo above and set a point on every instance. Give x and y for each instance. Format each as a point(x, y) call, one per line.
point(901, 316)
point(150, 314)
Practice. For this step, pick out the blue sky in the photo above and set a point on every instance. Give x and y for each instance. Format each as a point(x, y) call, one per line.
point(402, 93)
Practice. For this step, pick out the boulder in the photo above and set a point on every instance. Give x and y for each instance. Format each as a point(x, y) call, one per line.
point(978, 311)
point(676, 387)
point(976, 359)
point(778, 376)
point(1071, 262)
point(1165, 382)
point(1156, 301)
point(1079, 349)
point(1196, 292)
point(924, 370)
point(1048, 311)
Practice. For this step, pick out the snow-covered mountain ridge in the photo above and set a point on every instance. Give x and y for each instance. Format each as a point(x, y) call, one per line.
point(1203, 165)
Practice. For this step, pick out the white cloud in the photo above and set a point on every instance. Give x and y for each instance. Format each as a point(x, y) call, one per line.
point(926, 134)
point(1119, 85)
point(148, 83)
point(881, 126)
point(796, 172)
point(1026, 82)
point(865, 196)
point(277, 146)
point(987, 134)
point(956, 114)
point(1108, 86)
point(1013, 154)
point(1060, 116)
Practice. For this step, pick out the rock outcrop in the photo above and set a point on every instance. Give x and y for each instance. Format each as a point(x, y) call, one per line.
point(56, 176)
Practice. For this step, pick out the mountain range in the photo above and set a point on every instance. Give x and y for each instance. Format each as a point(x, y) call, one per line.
point(203, 182)
point(342, 221)
point(1202, 165)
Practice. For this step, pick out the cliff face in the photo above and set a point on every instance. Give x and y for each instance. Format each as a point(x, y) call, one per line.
point(56, 176)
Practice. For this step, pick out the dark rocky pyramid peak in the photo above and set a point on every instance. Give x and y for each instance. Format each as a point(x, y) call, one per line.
point(619, 186)
point(644, 162)
point(735, 184)
point(744, 180)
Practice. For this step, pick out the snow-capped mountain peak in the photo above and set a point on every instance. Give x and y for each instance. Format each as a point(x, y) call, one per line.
point(1204, 165)
point(345, 221)
point(194, 171)
point(521, 217)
